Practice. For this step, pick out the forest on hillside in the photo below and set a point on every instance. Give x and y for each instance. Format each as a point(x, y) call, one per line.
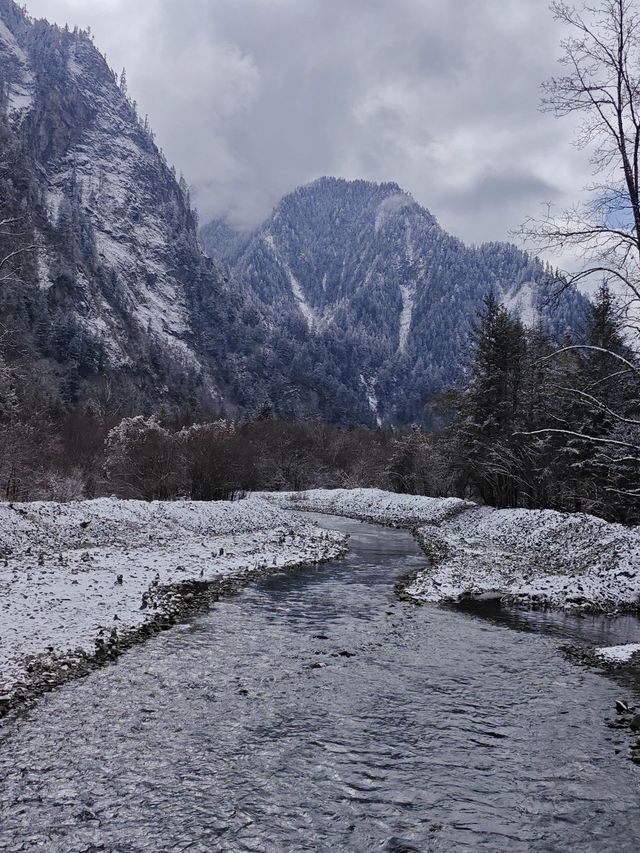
point(538, 425)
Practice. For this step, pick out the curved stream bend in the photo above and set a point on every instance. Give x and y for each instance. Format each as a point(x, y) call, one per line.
point(317, 712)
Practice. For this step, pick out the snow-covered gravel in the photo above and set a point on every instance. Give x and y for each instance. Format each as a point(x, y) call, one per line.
point(533, 558)
point(373, 505)
point(71, 573)
point(618, 654)
point(537, 558)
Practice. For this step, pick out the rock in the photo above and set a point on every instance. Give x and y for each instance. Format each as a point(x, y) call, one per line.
point(622, 707)
point(634, 725)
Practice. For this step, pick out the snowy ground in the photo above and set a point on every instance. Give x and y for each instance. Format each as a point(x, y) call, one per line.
point(534, 558)
point(72, 573)
point(618, 654)
point(372, 505)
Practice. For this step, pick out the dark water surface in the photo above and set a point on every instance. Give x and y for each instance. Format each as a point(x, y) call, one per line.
point(249, 730)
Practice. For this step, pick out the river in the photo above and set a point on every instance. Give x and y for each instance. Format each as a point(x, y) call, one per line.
point(317, 712)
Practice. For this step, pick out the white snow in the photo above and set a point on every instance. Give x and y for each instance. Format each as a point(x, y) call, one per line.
point(59, 564)
point(521, 303)
point(305, 309)
point(372, 397)
point(408, 241)
point(44, 269)
point(21, 89)
point(372, 505)
point(72, 64)
point(534, 558)
point(538, 558)
point(303, 305)
point(408, 295)
point(618, 654)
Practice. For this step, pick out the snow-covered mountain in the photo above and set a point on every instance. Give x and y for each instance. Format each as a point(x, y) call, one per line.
point(104, 207)
point(349, 304)
point(362, 266)
point(117, 290)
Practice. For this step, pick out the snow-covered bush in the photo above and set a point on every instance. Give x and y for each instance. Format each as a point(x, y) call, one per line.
point(141, 460)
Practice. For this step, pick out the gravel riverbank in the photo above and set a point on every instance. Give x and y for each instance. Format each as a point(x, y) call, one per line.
point(530, 558)
point(81, 582)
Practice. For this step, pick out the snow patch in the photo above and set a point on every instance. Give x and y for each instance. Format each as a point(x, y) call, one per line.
point(305, 309)
point(372, 505)
point(21, 89)
point(72, 64)
point(372, 398)
point(303, 305)
point(407, 292)
point(408, 241)
point(618, 654)
point(522, 303)
point(538, 558)
point(44, 270)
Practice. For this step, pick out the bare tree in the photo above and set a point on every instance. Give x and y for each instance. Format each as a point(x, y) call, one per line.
point(601, 84)
point(8, 231)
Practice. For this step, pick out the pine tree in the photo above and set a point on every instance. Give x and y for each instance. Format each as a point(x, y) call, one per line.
point(490, 410)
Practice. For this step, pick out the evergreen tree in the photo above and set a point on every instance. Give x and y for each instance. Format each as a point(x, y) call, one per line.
point(491, 407)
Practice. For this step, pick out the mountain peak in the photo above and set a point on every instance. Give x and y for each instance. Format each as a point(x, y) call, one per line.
point(361, 269)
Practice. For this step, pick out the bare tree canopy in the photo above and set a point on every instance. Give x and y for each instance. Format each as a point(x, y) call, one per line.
point(601, 83)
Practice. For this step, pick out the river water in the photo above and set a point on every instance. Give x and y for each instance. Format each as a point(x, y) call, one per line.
point(317, 712)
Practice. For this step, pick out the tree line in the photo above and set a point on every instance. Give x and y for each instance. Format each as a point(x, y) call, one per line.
point(539, 424)
point(542, 424)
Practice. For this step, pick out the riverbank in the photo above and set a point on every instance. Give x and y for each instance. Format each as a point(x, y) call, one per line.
point(251, 729)
point(529, 558)
point(81, 582)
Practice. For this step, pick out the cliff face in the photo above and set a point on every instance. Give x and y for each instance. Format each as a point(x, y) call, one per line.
point(118, 284)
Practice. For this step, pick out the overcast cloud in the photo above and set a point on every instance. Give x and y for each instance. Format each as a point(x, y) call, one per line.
point(251, 98)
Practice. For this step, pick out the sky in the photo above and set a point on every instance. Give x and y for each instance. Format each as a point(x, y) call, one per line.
point(252, 98)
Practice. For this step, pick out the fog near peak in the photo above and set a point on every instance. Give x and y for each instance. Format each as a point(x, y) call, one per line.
point(251, 99)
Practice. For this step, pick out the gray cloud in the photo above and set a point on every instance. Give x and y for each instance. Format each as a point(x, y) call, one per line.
point(250, 98)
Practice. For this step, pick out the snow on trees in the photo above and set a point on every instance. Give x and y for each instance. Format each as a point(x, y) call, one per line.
point(601, 84)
